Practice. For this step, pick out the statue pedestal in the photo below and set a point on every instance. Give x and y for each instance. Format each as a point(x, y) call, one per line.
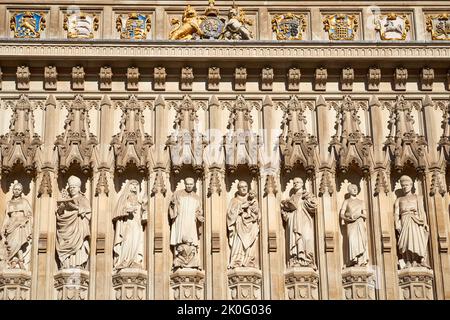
point(15, 284)
point(245, 283)
point(416, 283)
point(358, 283)
point(301, 283)
point(130, 284)
point(72, 284)
point(187, 284)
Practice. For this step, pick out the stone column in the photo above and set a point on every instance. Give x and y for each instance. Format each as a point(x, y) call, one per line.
point(383, 209)
point(215, 210)
point(101, 205)
point(15, 284)
point(162, 253)
point(326, 217)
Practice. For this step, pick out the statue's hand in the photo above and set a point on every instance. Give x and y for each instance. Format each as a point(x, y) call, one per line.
point(200, 218)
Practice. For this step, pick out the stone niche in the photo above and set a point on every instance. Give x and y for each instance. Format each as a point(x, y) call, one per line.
point(301, 283)
point(245, 283)
point(187, 284)
point(15, 284)
point(416, 283)
point(130, 284)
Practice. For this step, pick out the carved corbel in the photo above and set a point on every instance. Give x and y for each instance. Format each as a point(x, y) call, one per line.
point(267, 79)
point(293, 82)
point(78, 78)
point(187, 78)
point(20, 144)
point(320, 79)
point(159, 76)
point(240, 78)
point(105, 76)
point(426, 79)
point(373, 79)
point(132, 145)
point(400, 79)
point(23, 77)
point(347, 78)
point(351, 145)
point(133, 78)
point(50, 78)
point(76, 144)
point(213, 78)
point(186, 143)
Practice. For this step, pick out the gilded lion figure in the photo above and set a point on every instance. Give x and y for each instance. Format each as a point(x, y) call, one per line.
point(188, 27)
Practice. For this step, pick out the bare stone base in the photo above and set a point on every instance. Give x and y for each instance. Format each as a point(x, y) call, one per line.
point(358, 283)
point(245, 283)
point(187, 284)
point(130, 284)
point(72, 284)
point(416, 283)
point(15, 284)
point(301, 284)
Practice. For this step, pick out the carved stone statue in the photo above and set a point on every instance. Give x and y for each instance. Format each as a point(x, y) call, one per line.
point(16, 232)
point(243, 217)
point(236, 26)
point(186, 215)
point(129, 217)
point(411, 224)
point(73, 217)
point(354, 215)
point(298, 213)
point(188, 27)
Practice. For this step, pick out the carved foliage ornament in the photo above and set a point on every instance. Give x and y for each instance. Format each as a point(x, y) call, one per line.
point(439, 26)
point(296, 144)
point(186, 142)
point(289, 26)
point(393, 26)
point(133, 26)
point(131, 144)
point(80, 25)
point(20, 144)
point(341, 26)
point(27, 24)
point(76, 144)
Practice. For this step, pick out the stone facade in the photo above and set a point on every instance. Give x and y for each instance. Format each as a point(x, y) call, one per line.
point(108, 109)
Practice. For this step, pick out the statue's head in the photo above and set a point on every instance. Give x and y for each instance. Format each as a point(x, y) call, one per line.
point(233, 13)
point(189, 184)
point(74, 185)
point(242, 188)
point(17, 189)
point(406, 183)
point(134, 186)
point(352, 189)
point(298, 184)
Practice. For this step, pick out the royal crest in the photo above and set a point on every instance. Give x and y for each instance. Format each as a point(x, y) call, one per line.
point(393, 26)
point(289, 26)
point(212, 25)
point(80, 25)
point(27, 24)
point(341, 26)
point(439, 26)
point(133, 26)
